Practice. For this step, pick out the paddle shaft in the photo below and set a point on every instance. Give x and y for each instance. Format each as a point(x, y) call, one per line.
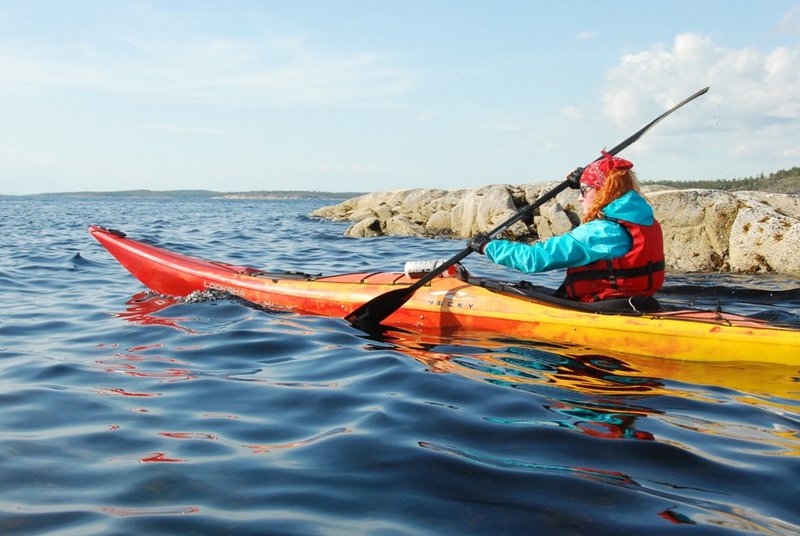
point(652, 123)
point(493, 233)
point(380, 307)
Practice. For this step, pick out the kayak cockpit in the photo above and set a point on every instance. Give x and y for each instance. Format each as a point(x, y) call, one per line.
point(634, 305)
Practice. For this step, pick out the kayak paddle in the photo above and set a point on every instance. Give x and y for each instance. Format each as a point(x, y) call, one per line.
point(376, 310)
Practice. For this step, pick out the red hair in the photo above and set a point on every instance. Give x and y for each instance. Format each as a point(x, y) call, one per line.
point(618, 183)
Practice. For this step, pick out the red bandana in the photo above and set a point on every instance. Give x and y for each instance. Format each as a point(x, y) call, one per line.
point(596, 173)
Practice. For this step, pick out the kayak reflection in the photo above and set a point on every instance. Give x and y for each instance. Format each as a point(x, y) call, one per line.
point(601, 395)
point(515, 363)
point(589, 393)
point(611, 397)
point(519, 363)
point(142, 307)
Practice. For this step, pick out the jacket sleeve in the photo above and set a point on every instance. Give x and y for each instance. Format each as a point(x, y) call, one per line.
point(589, 242)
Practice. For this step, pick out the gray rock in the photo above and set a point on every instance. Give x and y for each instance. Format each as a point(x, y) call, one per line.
point(552, 220)
point(362, 213)
point(366, 228)
point(440, 224)
point(704, 230)
point(764, 240)
point(696, 226)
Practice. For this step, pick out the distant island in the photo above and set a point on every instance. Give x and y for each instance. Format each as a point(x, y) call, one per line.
point(211, 194)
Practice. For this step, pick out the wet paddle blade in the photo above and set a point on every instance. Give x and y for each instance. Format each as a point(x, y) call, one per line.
point(375, 311)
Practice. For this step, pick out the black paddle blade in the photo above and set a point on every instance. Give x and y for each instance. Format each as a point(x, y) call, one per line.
point(371, 314)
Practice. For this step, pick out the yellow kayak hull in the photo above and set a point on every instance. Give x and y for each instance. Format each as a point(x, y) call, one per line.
point(450, 303)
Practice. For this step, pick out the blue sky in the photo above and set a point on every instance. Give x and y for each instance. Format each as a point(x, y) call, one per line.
point(375, 95)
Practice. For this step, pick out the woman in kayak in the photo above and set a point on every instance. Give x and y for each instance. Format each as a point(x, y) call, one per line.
point(616, 252)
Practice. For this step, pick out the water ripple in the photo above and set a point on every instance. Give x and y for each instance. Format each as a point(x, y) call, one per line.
point(126, 412)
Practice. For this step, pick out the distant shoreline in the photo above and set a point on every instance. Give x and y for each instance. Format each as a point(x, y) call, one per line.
point(785, 181)
point(203, 194)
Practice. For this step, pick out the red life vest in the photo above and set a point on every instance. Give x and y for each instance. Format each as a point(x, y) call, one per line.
point(640, 272)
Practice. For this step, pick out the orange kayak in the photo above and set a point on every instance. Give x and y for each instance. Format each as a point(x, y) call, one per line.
point(456, 301)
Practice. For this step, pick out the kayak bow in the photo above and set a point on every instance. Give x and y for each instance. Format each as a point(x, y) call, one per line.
point(455, 301)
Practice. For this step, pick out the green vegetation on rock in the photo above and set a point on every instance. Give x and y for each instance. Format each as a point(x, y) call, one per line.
point(785, 181)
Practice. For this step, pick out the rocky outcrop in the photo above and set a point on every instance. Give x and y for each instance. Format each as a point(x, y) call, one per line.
point(765, 237)
point(704, 230)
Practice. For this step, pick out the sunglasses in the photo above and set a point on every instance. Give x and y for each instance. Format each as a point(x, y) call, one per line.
point(585, 189)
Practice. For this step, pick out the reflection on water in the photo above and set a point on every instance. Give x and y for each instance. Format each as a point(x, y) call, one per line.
point(266, 449)
point(609, 396)
point(698, 505)
point(141, 307)
point(509, 362)
point(573, 390)
point(603, 396)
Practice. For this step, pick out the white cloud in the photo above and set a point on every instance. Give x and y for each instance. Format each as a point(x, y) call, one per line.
point(571, 113)
point(586, 35)
point(747, 82)
point(790, 23)
point(753, 104)
point(270, 73)
point(189, 130)
point(320, 80)
point(330, 167)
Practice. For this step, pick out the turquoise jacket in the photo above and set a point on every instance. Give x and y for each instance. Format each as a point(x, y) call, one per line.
point(600, 239)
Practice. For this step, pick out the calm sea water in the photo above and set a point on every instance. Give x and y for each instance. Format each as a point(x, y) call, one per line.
point(128, 413)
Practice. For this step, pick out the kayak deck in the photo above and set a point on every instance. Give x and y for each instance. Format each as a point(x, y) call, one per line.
point(456, 300)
